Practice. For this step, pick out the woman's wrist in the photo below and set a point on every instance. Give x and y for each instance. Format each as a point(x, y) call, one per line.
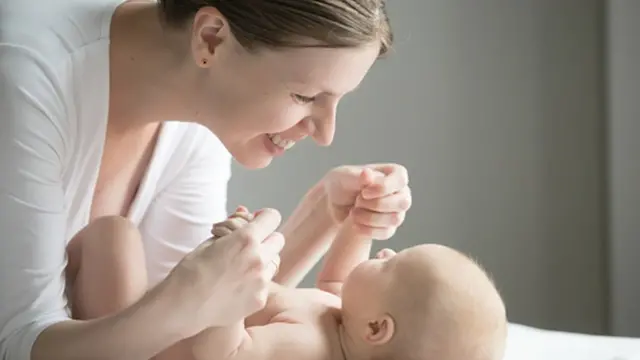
point(164, 300)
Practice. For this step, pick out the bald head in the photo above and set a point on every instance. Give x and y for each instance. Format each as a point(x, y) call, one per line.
point(445, 306)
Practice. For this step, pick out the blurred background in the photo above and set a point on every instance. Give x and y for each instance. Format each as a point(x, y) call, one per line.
point(518, 122)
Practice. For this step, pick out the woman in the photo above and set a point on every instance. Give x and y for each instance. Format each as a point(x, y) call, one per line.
point(119, 121)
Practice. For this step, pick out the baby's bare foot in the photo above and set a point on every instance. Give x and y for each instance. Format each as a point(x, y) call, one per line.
point(239, 218)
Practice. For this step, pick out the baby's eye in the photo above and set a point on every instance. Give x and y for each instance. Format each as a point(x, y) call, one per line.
point(302, 99)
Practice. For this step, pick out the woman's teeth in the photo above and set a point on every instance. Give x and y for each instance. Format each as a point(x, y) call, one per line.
point(280, 142)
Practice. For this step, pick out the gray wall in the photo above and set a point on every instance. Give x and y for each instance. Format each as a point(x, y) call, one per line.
point(624, 164)
point(496, 108)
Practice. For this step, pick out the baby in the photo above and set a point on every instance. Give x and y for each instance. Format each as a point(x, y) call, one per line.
point(426, 302)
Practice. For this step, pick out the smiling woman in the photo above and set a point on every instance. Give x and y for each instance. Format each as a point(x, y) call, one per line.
point(279, 67)
point(119, 123)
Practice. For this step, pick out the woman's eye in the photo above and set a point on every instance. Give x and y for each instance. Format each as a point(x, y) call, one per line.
point(302, 99)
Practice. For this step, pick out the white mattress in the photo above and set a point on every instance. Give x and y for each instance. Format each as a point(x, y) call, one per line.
point(527, 343)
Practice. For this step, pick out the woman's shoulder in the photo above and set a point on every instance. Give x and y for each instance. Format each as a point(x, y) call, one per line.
point(42, 41)
point(54, 30)
point(48, 63)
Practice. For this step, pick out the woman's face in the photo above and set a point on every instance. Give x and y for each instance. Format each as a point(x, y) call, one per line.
point(260, 103)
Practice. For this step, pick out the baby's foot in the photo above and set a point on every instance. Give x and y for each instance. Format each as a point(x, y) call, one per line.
point(235, 221)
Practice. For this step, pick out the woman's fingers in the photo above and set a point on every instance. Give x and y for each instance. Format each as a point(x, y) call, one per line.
point(272, 245)
point(272, 268)
point(269, 251)
point(265, 223)
point(395, 179)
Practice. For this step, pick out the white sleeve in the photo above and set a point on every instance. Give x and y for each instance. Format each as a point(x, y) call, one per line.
point(32, 215)
point(183, 212)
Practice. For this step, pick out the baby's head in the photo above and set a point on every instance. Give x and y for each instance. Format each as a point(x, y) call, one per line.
point(426, 302)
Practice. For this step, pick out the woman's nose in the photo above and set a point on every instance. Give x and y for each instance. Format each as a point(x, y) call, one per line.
point(325, 127)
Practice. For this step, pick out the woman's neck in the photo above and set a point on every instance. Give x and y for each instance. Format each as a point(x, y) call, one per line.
point(149, 72)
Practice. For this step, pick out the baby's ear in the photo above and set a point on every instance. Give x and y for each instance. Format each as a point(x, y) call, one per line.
point(381, 330)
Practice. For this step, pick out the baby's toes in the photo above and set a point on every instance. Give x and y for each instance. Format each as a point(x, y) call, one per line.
point(220, 231)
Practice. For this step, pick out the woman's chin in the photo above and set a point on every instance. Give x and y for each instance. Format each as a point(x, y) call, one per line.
point(252, 161)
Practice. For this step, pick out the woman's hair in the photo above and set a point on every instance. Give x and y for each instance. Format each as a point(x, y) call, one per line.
point(292, 23)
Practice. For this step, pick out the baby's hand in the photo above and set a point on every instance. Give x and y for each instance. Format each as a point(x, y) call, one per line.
point(235, 221)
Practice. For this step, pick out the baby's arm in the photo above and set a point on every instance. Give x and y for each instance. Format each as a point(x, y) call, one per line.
point(348, 250)
point(284, 341)
point(280, 341)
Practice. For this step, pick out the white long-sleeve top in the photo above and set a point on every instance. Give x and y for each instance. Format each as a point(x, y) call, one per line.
point(54, 90)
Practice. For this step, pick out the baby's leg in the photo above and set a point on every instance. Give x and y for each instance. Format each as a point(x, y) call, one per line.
point(106, 271)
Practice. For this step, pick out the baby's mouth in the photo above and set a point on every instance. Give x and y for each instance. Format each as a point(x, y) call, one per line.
point(277, 140)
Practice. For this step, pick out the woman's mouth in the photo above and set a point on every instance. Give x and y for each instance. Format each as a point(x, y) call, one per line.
point(278, 141)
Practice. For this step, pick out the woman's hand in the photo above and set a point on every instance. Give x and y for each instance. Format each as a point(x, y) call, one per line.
point(377, 196)
point(235, 221)
point(226, 279)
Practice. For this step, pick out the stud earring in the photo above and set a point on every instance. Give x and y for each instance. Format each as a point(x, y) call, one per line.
point(204, 61)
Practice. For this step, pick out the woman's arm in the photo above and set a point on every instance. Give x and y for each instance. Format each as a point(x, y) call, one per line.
point(308, 232)
point(34, 145)
point(116, 337)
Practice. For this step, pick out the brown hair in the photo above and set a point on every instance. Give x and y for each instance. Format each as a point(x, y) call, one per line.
point(288, 23)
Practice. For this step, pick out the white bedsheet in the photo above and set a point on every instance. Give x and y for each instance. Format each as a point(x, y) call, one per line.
point(527, 343)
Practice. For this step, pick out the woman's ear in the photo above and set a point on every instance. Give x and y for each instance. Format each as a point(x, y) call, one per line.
point(381, 330)
point(209, 30)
